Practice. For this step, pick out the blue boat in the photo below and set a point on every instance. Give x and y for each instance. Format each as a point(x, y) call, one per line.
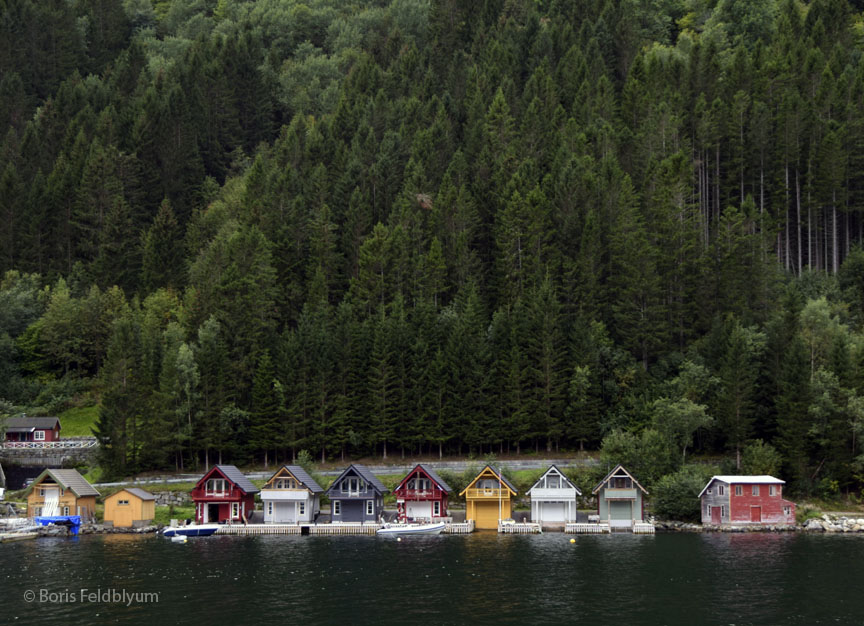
point(192, 530)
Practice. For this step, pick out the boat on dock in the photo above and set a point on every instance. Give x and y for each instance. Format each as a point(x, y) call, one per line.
point(411, 529)
point(192, 530)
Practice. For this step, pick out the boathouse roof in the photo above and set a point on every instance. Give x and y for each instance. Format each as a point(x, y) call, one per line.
point(618, 471)
point(68, 479)
point(135, 491)
point(235, 476)
point(365, 474)
point(302, 475)
point(560, 473)
point(495, 474)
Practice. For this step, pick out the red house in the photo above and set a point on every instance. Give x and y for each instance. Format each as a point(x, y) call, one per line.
point(421, 495)
point(38, 429)
point(223, 494)
point(745, 500)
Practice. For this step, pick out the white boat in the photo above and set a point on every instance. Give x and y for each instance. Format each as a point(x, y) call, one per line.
point(192, 530)
point(411, 529)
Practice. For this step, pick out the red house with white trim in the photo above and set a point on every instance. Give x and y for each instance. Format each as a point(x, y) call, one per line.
point(422, 495)
point(745, 500)
point(223, 494)
point(32, 429)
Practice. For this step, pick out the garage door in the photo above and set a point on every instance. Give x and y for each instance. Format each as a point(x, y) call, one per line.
point(620, 513)
point(418, 509)
point(552, 512)
point(487, 515)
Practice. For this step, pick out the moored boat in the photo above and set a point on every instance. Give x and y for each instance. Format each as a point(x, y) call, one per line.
point(192, 530)
point(411, 529)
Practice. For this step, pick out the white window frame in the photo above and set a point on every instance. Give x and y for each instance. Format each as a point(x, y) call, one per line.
point(337, 507)
point(270, 508)
point(38, 435)
point(772, 490)
point(787, 511)
point(65, 510)
point(708, 491)
point(739, 490)
point(122, 502)
point(301, 508)
point(235, 510)
point(722, 511)
point(210, 487)
point(709, 511)
point(436, 508)
point(755, 490)
point(370, 507)
point(721, 490)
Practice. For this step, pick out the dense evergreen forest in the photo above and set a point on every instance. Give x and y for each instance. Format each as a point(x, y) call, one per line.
point(438, 227)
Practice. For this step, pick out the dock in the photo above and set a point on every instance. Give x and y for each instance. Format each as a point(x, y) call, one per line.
point(590, 528)
point(643, 528)
point(520, 528)
point(345, 528)
point(259, 529)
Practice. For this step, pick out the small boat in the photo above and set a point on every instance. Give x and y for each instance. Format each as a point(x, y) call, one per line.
point(179, 539)
point(411, 529)
point(17, 536)
point(192, 530)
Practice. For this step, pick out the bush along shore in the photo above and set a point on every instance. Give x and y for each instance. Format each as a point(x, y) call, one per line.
point(824, 524)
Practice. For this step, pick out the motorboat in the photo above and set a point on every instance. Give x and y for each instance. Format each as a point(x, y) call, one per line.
point(412, 529)
point(192, 530)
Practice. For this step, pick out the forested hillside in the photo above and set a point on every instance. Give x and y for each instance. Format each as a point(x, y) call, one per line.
point(433, 226)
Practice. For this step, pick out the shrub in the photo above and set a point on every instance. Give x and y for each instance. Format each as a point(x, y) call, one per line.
point(676, 496)
point(758, 458)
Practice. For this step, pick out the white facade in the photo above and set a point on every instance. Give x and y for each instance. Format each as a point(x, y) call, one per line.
point(553, 498)
point(289, 507)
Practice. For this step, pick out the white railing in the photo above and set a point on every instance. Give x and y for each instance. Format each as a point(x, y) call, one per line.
point(90, 442)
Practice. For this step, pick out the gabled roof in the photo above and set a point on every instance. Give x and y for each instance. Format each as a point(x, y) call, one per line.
point(429, 472)
point(29, 424)
point(135, 491)
point(234, 475)
point(68, 479)
point(497, 475)
point(365, 474)
point(301, 475)
point(619, 470)
point(561, 474)
point(744, 480)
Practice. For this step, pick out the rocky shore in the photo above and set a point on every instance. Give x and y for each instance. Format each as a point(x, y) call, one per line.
point(824, 524)
point(93, 529)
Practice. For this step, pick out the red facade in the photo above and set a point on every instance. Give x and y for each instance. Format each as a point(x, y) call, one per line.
point(420, 496)
point(732, 502)
point(35, 433)
point(218, 499)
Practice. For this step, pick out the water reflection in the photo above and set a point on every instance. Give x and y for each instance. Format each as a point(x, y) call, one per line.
point(482, 578)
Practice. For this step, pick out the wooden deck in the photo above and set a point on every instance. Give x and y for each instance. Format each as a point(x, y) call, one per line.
point(591, 528)
point(523, 528)
point(643, 528)
point(344, 529)
point(259, 529)
point(460, 528)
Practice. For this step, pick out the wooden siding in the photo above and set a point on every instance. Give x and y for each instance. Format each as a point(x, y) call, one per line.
point(135, 513)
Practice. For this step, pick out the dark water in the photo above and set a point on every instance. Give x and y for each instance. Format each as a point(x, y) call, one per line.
point(480, 578)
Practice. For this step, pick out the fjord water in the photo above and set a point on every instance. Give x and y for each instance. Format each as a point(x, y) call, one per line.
point(739, 579)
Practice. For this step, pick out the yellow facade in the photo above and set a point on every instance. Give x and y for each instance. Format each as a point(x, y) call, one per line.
point(124, 509)
point(488, 499)
point(67, 504)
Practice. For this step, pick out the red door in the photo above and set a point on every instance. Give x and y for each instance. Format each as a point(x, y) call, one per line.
point(755, 513)
point(715, 515)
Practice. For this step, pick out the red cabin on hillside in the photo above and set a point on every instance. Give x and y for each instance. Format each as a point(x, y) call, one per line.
point(421, 495)
point(223, 494)
point(32, 429)
point(745, 500)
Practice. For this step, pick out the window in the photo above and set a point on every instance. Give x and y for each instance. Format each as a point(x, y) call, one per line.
point(216, 487)
point(709, 510)
point(739, 490)
point(337, 507)
point(39, 435)
point(787, 511)
point(370, 507)
point(721, 490)
point(553, 482)
point(755, 490)
point(269, 508)
point(772, 490)
point(301, 508)
point(65, 510)
point(122, 502)
point(285, 483)
point(436, 508)
point(352, 485)
point(708, 491)
point(722, 511)
point(235, 510)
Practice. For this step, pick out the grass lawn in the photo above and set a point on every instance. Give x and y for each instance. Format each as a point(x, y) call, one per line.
point(78, 421)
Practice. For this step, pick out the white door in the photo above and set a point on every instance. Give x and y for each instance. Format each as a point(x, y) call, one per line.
point(418, 509)
point(52, 503)
point(552, 511)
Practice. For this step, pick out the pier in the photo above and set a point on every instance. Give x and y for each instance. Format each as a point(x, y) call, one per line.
point(517, 528)
point(459, 528)
point(590, 528)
